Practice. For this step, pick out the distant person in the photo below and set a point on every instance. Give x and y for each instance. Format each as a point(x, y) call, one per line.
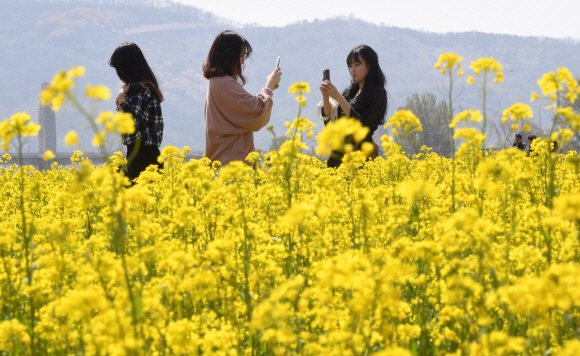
point(140, 96)
point(232, 115)
point(365, 99)
point(555, 146)
point(518, 143)
point(531, 139)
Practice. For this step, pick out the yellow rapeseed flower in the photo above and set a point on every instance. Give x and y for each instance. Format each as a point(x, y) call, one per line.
point(48, 155)
point(7, 132)
point(76, 72)
point(22, 125)
point(551, 83)
point(468, 133)
point(120, 122)
point(12, 335)
point(417, 190)
point(571, 118)
point(104, 117)
point(301, 99)
point(124, 123)
point(19, 124)
point(405, 120)
point(490, 65)
point(568, 205)
point(99, 138)
point(332, 137)
point(100, 92)
point(448, 60)
point(61, 84)
point(299, 87)
point(167, 152)
point(467, 115)
point(71, 138)
point(518, 112)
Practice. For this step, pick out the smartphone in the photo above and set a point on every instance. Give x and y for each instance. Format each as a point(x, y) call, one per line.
point(326, 74)
point(278, 63)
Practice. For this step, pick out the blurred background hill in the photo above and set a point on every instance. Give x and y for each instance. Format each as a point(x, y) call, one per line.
point(39, 38)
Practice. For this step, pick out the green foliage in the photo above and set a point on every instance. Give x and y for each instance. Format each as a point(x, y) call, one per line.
point(277, 141)
point(434, 117)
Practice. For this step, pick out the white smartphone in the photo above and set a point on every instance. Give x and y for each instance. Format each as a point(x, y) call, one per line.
point(278, 63)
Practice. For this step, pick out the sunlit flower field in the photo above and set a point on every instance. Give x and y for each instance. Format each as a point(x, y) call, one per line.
point(475, 255)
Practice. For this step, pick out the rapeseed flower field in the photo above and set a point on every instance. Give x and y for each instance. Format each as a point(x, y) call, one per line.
point(472, 255)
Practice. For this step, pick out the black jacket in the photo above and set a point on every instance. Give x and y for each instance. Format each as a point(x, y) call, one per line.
point(369, 116)
point(521, 146)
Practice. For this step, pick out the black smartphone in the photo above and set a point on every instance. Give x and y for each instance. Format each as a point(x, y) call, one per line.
point(326, 74)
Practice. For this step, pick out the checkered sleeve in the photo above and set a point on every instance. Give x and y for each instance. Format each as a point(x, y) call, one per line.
point(134, 106)
point(146, 111)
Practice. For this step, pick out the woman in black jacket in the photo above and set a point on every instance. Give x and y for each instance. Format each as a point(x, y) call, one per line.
point(365, 99)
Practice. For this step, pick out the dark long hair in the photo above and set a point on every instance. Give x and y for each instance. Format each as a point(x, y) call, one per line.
point(132, 67)
point(224, 56)
point(375, 76)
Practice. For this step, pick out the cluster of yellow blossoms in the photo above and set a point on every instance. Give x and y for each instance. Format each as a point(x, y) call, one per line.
point(518, 112)
point(553, 83)
point(448, 60)
point(487, 66)
point(475, 255)
point(19, 125)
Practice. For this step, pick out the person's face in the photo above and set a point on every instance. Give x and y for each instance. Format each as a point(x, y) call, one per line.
point(518, 140)
point(358, 70)
point(243, 56)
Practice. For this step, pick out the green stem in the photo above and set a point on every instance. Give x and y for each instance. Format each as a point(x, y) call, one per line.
point(27, 242)
point(452, 140)
point(91, 121)
point(484, 112)
point(552, 159)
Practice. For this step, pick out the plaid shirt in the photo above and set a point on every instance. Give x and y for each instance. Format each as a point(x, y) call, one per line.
point(146, 110)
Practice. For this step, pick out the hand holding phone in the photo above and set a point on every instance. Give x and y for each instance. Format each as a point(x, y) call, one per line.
point(273, 80)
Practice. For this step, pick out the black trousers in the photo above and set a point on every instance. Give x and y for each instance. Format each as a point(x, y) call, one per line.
point(139, 157)
point(335, 159)
point(333, 162)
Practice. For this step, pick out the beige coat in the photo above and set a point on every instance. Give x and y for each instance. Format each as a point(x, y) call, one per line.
point(231, 117)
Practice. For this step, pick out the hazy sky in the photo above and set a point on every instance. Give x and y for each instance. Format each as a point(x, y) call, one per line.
point(551, 18)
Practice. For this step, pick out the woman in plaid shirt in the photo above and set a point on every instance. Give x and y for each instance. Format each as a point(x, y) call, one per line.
point(140, 96)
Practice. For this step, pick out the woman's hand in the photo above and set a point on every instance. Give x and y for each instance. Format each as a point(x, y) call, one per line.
point(324, 95)
point(327, 88)
point(121, 96)
point(273, 80)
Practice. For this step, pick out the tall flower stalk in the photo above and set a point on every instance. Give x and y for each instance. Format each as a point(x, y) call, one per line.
point(450, 64)
point(557, 86)
point(484, 68)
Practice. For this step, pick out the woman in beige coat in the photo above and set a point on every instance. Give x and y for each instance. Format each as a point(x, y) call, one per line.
point(231, 113)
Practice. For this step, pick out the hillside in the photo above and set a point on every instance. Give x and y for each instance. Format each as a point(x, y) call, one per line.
point(39, 38)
